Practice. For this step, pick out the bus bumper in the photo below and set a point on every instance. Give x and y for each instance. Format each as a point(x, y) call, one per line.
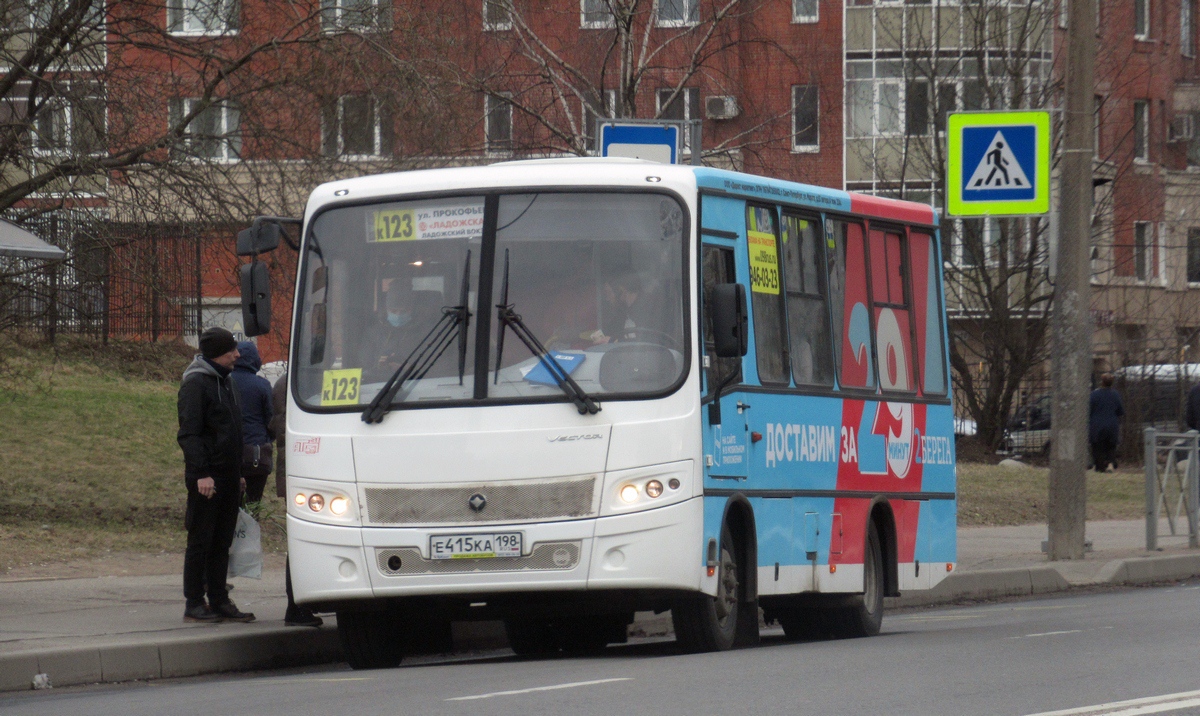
point(659, 549)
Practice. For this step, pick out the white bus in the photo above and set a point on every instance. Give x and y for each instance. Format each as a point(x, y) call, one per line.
point(538, 392)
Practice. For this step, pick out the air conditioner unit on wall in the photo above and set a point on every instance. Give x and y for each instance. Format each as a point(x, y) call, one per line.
point(1182, 128)
point(720, 107)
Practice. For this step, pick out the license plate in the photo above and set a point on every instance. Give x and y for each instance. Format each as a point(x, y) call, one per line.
point(476, 546)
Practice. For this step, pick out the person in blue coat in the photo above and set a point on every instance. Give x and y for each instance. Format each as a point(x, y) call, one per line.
point(1104, 423)
point(254, 396)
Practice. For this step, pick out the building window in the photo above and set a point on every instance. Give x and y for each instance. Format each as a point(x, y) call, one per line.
point(1141, 19)
point(214, 133)
point(685, 106)
point(873, 107)
point(498, 122)
point(355, 126)
point(590, 115)
point(71, 125)
point(355, 15)
point(1141, 130)
point(806, 135)
point(1144, 267)
point(596, 14)
point(677, 13)
point(1187, 32)
point(916, 109)
point(496, 15)
point(1193, 254)
point(805, 11)
point(203, 17)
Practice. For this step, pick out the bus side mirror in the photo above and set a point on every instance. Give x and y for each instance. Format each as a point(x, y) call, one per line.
point(730, 322)
point(262, 237)
point(256, 298)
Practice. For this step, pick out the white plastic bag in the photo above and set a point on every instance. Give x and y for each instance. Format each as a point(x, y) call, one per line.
point(245, 554)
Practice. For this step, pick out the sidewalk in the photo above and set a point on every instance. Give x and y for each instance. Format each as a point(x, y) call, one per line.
point(118, 628)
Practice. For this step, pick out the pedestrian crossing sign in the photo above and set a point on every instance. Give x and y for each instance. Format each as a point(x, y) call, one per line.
point(998, 163)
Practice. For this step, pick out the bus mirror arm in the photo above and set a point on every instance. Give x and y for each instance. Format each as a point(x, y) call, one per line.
point(714, 407)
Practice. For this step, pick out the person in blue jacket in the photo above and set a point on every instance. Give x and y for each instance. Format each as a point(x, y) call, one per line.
point(1104, 423)
point(254, 396)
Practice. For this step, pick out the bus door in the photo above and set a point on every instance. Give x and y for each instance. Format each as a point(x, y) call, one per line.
point(725, 427)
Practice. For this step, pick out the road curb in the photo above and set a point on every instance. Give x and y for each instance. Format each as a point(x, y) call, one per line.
point(278, 647)
point(179, 656)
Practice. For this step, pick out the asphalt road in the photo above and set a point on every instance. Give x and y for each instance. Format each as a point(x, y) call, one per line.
point(1028, 657)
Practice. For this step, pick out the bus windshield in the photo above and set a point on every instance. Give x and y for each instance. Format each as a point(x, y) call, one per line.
point(596, 278)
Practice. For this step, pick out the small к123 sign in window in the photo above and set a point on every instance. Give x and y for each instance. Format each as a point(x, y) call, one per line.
point(395, 225)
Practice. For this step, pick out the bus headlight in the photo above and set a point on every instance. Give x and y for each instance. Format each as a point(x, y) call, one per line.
point(316, 502)
point(629, 493)
point(338, 505)
point(301, 499)
point(654, 488)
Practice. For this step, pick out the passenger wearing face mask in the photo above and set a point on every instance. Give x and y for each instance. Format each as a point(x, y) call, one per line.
point(394, 336)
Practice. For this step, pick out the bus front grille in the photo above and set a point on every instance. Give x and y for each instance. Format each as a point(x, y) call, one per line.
point(545, 556)
point(502, 502)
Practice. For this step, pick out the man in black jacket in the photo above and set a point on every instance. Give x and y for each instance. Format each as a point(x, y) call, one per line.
point(210, 434)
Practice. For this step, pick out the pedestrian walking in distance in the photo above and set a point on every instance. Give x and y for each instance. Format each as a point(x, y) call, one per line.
point(1104, 423)
point(210, 434)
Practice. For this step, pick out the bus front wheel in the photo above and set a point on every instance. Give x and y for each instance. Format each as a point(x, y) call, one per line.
point(711, 623)
point(370, 640)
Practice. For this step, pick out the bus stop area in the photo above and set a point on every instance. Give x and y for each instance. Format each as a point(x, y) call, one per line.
point(93, 629)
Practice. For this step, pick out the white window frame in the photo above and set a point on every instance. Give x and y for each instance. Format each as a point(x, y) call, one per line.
point(227, 134)
point(340, 135)
point(813, 148)
point(488, 100)
point(684, 96)
point(188, 24)
point(1187, 28)
point(1150, 243)
point(1144, 6)
point(63, 108)
point(495, 26)
point(606, 23)
point(691, 10)
point(339, 11)
point(801, 19)
point(1188, 250)
point(588, 117)
point(1141, 146)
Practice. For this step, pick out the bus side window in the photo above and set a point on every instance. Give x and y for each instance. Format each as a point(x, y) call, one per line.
point(762, 243)
point(927, 315)
point(890, 312)
point(848, 287)
point(718, 268)
point(807, 309)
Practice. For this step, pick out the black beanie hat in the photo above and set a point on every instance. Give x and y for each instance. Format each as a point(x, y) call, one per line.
point(216, 341)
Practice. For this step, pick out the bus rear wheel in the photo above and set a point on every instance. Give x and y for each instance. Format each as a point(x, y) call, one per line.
point(711, 623)
point(370, 640)
point(866, 617)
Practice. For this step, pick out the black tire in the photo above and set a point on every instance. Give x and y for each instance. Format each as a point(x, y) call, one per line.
point(866, 617)
point(711, 623)
point(370, 640)
point(530, 637)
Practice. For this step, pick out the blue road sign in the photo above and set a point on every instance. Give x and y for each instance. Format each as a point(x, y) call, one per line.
point(998, 163)
point(659, 143)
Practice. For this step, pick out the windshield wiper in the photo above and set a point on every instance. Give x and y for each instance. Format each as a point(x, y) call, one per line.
point(454, 322)
point(511, 319)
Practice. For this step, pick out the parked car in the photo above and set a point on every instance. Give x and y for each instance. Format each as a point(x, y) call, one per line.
point(1028, 430)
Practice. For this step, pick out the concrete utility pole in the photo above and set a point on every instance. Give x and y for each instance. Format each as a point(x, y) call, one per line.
point(1070, 326)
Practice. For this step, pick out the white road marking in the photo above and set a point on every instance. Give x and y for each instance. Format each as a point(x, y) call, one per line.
point(556, 687)
point(1134, 707)
point(1049, 633)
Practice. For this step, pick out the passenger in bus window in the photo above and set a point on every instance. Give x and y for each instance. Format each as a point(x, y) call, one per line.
point(627, 308)
point(395, 333)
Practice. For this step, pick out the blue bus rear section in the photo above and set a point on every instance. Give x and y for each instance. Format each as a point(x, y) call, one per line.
point(815, 463)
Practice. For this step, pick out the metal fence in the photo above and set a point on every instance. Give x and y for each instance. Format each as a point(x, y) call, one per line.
point(1172, 463)
point(133, 281)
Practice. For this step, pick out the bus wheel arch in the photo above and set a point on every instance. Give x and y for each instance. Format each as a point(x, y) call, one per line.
point(881, 515)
